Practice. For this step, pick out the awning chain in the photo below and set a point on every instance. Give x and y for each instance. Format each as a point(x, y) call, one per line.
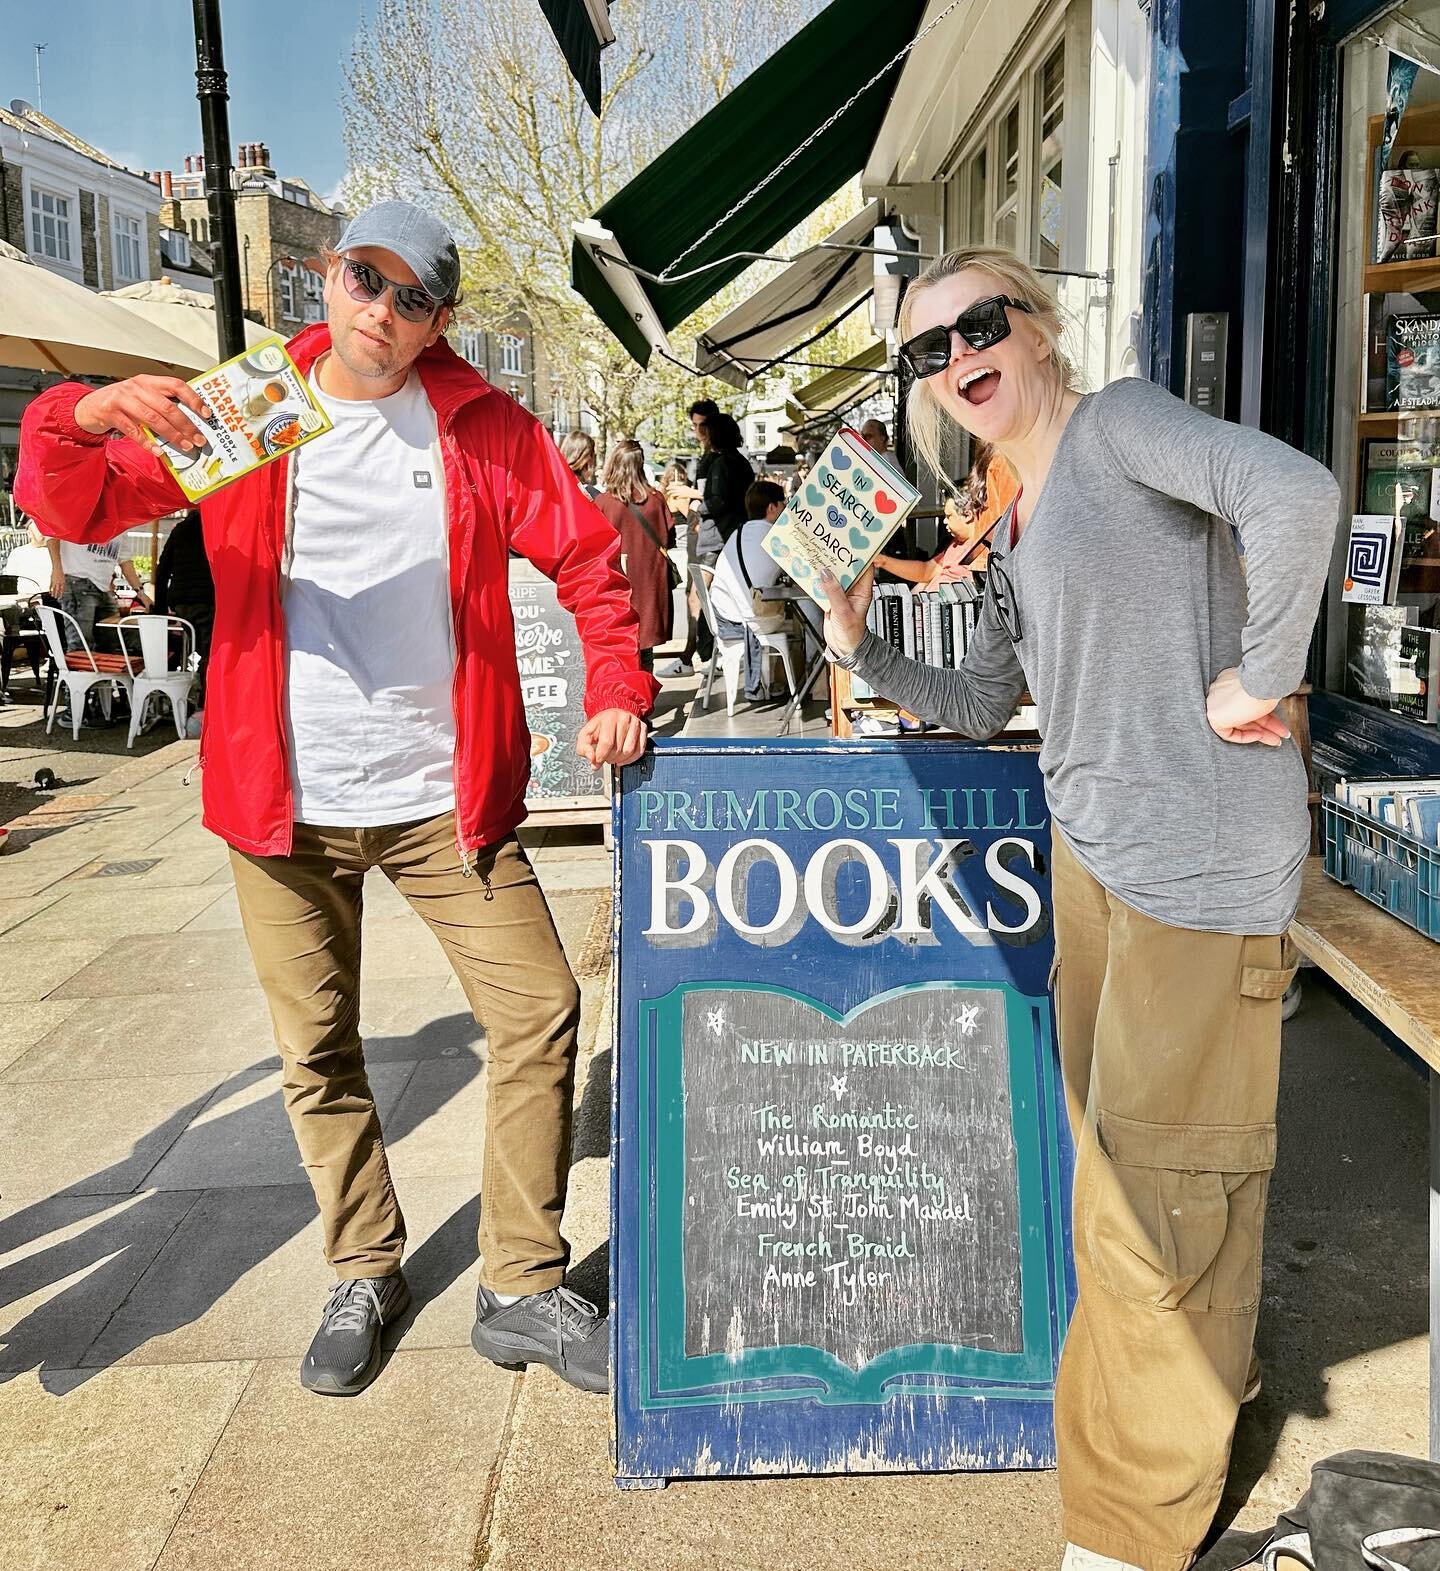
point(665, 274)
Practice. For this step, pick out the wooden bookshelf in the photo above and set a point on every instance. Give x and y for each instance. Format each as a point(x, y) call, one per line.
point(1387, 422)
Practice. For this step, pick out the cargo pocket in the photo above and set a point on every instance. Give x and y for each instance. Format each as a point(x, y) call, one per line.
point(1265, 981)
point(1174, 1213)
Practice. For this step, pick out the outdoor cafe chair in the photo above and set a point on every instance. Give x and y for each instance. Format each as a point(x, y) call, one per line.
point(155, 674)
point(78, 670)
point(729, 653)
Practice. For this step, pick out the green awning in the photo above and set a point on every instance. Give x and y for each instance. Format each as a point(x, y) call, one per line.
point(582, 29)
point(834, 388)
point(695, 181)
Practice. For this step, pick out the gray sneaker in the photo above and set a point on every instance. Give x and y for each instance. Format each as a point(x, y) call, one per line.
point(556, 1328)
point(345, 1355)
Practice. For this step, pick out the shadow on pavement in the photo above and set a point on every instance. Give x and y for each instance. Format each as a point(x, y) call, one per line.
point(96, 1257)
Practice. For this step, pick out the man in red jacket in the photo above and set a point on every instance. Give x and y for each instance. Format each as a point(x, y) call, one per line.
point(364, 710)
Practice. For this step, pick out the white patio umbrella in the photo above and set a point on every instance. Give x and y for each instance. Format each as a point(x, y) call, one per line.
point(184, 313)
point(48, 323)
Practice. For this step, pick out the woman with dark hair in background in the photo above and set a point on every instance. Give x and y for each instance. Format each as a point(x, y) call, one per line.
point(642, 516)
point(184, 588)
point(727, 478)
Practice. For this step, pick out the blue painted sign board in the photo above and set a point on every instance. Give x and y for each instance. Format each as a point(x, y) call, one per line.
point(841, 1160)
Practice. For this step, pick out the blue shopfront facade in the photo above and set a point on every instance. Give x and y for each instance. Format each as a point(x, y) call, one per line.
point(1248, 210)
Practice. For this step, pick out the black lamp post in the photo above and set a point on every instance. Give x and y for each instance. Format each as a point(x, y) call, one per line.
point(213, 93)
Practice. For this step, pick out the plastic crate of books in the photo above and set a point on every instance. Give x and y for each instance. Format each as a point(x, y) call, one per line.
point(1391, 868)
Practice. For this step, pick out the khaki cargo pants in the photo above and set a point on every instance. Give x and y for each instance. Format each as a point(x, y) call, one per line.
point(1170, 1046)
point(302, 918)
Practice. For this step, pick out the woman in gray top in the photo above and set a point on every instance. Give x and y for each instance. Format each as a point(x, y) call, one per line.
point(1155, 660)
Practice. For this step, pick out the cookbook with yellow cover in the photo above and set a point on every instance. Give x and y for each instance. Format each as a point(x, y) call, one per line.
point(260, 409)
point(850, 503)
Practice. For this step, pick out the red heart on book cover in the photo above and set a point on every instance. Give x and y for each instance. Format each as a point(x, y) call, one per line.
point(884, 503)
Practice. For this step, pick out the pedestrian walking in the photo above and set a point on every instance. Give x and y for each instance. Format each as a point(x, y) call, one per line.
point(1178, 804)
point(364, 710)
point(641, 514)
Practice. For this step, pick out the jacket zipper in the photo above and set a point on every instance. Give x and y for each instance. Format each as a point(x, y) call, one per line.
point(468, 859)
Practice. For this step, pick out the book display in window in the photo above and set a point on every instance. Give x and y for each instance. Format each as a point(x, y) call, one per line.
point(1412, 358)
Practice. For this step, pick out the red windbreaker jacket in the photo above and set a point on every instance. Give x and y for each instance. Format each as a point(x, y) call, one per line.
point(506, 489)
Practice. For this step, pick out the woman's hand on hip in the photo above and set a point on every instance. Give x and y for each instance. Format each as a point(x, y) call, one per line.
point(1235, 716)
point(845, 620)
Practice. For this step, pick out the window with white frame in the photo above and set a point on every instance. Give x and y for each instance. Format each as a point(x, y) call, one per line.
point(511, 347)
point(1007, 184)
point(314, 290)
point(289, 303)
point(1048, 222)
point(177, 246)
point(129, 247)
point(50, 225)
point(469, 343)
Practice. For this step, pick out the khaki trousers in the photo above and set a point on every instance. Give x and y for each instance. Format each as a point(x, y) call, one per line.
point(302, 918)
point(1170, 1046)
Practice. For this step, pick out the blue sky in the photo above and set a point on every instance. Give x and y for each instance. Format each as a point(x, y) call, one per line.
point(122, 76)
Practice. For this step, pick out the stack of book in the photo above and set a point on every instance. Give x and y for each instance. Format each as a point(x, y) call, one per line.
point(934, 627)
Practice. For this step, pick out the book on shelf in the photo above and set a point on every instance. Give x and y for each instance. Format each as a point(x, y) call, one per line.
point(1384, 472)
point(1415, 676)
point(1412, 358)
point(260, 409)
point(1372, 563)
point(852, 501)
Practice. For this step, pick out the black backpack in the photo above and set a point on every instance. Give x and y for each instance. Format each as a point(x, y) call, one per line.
point(1364, 1511)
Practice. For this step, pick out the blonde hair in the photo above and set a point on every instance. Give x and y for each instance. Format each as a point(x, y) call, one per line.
point(624, 474)
point(924, 417)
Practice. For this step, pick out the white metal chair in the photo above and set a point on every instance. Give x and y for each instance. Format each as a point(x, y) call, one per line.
point(729, 653)
point(155, 674)
point(78, 670)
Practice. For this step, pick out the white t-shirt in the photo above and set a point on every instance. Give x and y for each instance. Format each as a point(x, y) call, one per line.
point(369, 646)
point(729, 594)
point(31, 565)
point(95, 562)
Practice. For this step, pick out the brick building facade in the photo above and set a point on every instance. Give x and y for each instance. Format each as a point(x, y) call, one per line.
point(276, 219)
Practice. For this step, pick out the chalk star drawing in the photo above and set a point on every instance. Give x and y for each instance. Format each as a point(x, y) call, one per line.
point(969, 1019)
point(839, 1084)
point(715, 1019)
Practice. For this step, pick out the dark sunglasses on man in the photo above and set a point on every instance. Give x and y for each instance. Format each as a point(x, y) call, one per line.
point(364, 283)
point(981, 325)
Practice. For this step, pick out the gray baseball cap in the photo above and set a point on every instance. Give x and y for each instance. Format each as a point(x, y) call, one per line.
point(414, 235)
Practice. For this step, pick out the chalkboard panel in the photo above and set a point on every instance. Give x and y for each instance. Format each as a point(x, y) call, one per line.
point(850, 1185)
point(841, 1161)
point(552, 678)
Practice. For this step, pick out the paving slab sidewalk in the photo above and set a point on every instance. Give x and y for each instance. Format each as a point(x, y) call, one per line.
point(160, 1266)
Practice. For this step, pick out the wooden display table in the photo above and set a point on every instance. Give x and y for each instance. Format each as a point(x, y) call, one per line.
point(1395, 973)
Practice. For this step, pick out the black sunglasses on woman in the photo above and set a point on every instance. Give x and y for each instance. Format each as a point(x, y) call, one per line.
point(982, 325)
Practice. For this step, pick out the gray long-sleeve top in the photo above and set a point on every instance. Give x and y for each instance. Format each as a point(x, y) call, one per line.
point(1131, 600)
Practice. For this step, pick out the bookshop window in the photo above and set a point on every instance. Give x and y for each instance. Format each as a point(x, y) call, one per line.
point(1385, 586)
point(1048, 224)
